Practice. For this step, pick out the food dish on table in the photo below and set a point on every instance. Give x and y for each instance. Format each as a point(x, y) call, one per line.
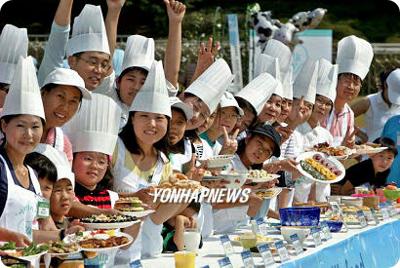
point(249, 240)
point(62, 248)
point(269, 193)
point(320, 168)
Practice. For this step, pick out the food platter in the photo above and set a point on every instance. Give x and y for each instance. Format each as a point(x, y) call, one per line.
point(99, 241)
point(339, 152)
point(330, 164)
point(61, 249)
point(109, 221)
point(269, 193)
point(218, 161)
point(259, 176)
point(233, 179)
point(29, 253)
point(132, 206)
point(368, 149)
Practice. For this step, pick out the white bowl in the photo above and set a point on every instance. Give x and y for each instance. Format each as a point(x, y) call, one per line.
point(287, 231)
point(352, 201)
point(235, 181)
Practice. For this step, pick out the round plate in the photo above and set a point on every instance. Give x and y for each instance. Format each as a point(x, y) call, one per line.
point(370, 150)
point(70, 238)
point(218, 161)
point(30, 257)
point(64, 254)
point(332, 159)
point(275, 191)
point(265, 179)
point(110, 225)
point(138, 214)
point(347, 152)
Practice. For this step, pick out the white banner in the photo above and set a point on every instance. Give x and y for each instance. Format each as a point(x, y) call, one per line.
point(235, 53)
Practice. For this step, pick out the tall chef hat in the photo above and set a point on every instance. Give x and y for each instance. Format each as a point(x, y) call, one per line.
point(287, 84)
point(89, 32)
point(228, 100)
point(258, 91)
point(14, 44)
point(211, 85)
point(24, 94)
point(393, 82)
point(306, 81)
point(268, 64)
point(60, 161)
point(94, 128)
point(279, 50)
point(139, 52)
point(327, 79)
point(153, 96)
point(354, 56)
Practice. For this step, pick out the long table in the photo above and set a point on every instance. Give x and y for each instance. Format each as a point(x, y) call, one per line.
point(372, 246)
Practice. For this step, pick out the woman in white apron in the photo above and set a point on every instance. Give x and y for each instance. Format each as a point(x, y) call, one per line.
point(311, 131)
point(139, 161)
point(22, 124)
point(262, 142)
point(62, 93)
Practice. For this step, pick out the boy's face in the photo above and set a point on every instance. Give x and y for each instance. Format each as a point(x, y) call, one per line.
point(61, 197)
point(46, 187)
point(259, 148)
point(382, 161)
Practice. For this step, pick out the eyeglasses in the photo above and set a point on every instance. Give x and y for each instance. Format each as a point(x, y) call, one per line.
point(263, 150)
point(92, 62)
point(197, 107)
point(230, 116)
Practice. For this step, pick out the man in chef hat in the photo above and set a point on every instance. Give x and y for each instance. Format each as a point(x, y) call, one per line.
point(89, 48)
point(354, 58)
point(10, 54)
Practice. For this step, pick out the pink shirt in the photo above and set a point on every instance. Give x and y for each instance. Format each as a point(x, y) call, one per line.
point(340, 124)
point(50, 139)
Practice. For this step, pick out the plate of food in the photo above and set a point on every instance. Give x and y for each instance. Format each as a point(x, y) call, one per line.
point(268, 193)
point(103, 221)
point(368, 148)
point(320, 168)
point(62, 249)
point(250, 240)
point(259, 176)
point(351, 219)
point(339, 152)
point(232, 178)
point(132, 206)
point(180, 181)
point(99, 240)
point(218, 161)
point(29, 253)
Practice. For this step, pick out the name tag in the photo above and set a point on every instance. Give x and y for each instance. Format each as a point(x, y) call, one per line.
point(247, 259)
point(43, 208)
point(282, 251)
point(226, 244)
point(266, 254)
point(225, 263)
point(316, 235)
point(298, 248)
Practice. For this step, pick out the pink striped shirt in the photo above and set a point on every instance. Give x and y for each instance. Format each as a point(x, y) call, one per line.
point(339, 124)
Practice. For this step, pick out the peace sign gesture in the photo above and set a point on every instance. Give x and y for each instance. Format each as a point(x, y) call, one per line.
point(206, 56)
point(230, 143)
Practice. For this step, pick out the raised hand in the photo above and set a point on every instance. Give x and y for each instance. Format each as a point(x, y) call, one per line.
point(230, 142)
point(176, 10)
point(194, 173)
point(349, 139)
point(206, 56)
point(115, 4)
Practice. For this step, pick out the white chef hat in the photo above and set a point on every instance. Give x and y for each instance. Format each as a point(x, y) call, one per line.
point(60, 161)
point(139, 52)
point(153, 96)
point(279, 50)
point(24, 94)
point(89, 32)
point(228, 100)
point(211, 85)
point(94, 128)
point(67, 77)
point(306, 81)
point(287, 84)
point(258, 91)
point(186, 109)
point(327, 79)
point(354, 56)
point(393, 82)
point(14, 44)
point(269, 64)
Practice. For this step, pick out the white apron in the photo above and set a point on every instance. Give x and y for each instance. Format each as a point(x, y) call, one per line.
point(127, 181)
point(178, 160)
point(58, 139)
point(19, 213)
point(338, 140)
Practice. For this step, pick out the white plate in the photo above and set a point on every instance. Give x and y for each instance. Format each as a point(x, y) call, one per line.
point(348, 152)
point(26, 258)
point(218, 161)
point(113, 225)
point(370, 151)
point(270, 177)
point(275, 190)
point(64, 254)
point(72, 237)
point(332, 159)
point(138, 214)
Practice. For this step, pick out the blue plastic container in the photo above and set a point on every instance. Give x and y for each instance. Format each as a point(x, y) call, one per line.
point(300, 216)
point(334, 226)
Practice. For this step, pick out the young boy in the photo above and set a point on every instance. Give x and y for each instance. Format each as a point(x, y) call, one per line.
point(373, 171)
point(175, 227)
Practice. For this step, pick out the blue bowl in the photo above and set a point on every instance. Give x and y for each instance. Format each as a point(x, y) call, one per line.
point(334, 226)
point(300, 216)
